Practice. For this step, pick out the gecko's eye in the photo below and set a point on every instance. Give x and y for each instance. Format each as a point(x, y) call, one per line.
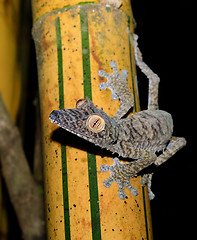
point(95, 123)
point(80, 102)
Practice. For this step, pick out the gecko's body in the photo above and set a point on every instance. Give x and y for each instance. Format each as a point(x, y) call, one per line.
point(136, 137)
point(144, 131)
point(148, 130)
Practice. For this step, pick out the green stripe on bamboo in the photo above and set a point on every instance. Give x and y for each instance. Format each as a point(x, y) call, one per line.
point(92, 170)
point(63, 148)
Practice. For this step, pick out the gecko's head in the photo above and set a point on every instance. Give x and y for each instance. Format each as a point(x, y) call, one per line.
point(87, 122)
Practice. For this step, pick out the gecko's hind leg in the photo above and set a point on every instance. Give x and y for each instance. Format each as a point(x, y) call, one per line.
point(175, 144)
point(153, 78)
point(117, 83)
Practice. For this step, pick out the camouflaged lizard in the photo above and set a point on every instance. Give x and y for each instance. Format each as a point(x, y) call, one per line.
point(137, 137)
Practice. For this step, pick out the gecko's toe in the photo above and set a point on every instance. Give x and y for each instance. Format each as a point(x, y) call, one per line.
point(101, 73)
point(113, 64)
point(133, 191)
point(151, 195)
point(102, 86)
point(107, 182)
point(125, 73)
point(105, 168)
point(114, 96)
point(121, 194)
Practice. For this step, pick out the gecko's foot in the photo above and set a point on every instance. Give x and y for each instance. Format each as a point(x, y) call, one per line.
point(119, 173)
point(117, 83)
point(114, 80)
point(104, 86)
point(147, 179)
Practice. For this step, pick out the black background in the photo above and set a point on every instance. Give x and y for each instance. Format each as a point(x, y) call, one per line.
point(166, 32)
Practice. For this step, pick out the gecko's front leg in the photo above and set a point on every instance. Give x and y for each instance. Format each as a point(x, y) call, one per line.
point(175, 144)
point(117, 83)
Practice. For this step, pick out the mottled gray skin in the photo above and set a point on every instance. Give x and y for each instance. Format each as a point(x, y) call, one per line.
point(147, 130)
point(74, 121)
point(136, 138)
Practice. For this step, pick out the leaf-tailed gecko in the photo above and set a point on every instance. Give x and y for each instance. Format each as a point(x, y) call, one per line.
point(137, 137)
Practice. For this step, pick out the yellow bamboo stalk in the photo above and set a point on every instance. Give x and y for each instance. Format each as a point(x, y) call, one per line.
point(10, 81)
point(73, 41)
point(10, 75)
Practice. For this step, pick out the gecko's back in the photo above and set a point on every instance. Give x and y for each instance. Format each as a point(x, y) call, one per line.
point(149, 130)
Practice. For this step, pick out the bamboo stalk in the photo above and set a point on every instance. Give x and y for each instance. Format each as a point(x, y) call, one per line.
point(73, 42)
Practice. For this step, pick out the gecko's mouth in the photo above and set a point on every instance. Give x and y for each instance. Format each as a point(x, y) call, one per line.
point(54, 116)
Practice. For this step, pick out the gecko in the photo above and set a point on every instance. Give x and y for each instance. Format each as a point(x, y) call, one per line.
point(142, 139)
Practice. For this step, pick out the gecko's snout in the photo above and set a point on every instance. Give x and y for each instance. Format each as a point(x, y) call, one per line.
point(54, 115)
